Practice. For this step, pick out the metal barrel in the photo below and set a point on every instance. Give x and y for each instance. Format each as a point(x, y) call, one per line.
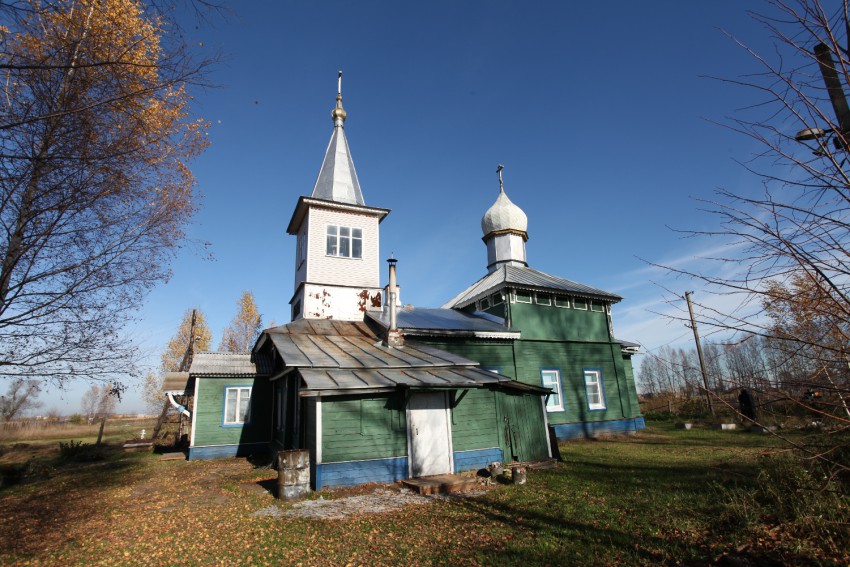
point(293, 474)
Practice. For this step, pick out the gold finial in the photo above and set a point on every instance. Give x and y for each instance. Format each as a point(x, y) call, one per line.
point(338, 113)
point(499, 171)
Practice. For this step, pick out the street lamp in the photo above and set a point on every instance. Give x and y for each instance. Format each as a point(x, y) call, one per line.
point(839, 104)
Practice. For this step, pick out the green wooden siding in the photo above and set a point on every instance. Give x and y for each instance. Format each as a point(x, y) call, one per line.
point(209, 428)
point(523, 359)
point(571, 359)
point(363, 427)
point(557, 323)
point(488, 352)
point(523, 435)
point(474, 420)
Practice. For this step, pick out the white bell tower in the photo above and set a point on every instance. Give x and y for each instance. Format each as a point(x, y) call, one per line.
point(337, 269)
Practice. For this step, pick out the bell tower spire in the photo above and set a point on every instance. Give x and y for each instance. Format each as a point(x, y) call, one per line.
point(337, 269)
point(337, 179)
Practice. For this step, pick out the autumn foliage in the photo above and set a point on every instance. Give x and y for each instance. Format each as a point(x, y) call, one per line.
point(244, 329)
point(95, 188)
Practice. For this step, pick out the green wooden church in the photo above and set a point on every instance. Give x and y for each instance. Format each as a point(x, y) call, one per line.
point(377, 392)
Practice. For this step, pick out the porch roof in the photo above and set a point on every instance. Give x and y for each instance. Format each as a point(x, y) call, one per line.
point(349, 345)
point(337, 380)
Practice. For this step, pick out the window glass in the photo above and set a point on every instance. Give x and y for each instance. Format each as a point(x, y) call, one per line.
point(523, 297)
point(597, 306)
point(230, 407)
point(562, 301)
point(593, 387)
point(485, 304)
point(542, 299)
point(345, 242)
point(237, 406)
point(551, 378)
point(496, 299)
point(332, 241)
point(580, 303)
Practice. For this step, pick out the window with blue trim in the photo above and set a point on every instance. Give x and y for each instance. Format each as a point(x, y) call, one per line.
point(237, 405)
point(551, 378)
point(595, 391)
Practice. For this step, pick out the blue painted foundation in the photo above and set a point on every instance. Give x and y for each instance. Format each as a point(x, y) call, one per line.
point(224, 451)
point(352, 473)
point(477, 459)
point(585, 429)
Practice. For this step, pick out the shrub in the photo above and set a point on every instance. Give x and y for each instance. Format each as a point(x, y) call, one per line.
point(80, 452)
point(75, 419)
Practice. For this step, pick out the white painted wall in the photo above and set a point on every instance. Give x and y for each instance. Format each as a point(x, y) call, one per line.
point(340, 303)
point(505, 248)
point(356, 272)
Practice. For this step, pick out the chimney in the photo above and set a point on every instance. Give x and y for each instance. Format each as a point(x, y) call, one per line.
point(394, 337)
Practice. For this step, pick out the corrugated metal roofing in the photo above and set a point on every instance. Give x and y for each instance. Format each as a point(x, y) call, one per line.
point(413, 319)
point(176, 382)
point(525, 278)
point(227, 364)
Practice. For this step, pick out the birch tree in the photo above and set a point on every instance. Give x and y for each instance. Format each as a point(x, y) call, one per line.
point(174, 352)
point(96, 135)
point(244, 329)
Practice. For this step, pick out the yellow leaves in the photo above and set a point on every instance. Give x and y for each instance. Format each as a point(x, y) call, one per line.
point(244, 329)
point(176, 349)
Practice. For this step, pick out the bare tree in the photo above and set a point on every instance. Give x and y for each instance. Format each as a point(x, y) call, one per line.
point(21, 397)
point(790, 241)
point(96, 134)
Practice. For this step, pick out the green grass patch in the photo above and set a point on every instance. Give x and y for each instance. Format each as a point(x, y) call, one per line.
point(664, 496)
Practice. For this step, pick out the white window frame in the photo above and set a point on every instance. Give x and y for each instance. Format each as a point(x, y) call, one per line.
point(238, 393)
point(599, 304)
point(542, 299)
point(518, 300)
point(595, 384)
point(557, 395)
point(586, 301)
point(497, 299)
point(334, 250)
point(564, 299)
point(484, 304)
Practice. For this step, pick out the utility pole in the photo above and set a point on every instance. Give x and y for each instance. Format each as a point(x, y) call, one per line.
point(699, 352)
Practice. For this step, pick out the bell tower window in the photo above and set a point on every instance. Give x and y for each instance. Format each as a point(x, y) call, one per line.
point(344, 241)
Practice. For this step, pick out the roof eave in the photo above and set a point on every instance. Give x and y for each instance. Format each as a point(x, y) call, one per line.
point(305, 202)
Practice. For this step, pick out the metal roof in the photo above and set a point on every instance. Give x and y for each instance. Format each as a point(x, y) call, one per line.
point(228, 364)
point(525, 278)
point(337, 179)
point(429, 377)
point(332, 351)
point(415, 320)
point(177, 382)
point(348, 356)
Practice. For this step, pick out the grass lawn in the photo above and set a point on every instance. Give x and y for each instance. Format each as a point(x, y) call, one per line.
point(658, 497)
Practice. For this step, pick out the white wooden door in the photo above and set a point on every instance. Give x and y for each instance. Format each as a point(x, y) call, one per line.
point(429, 434)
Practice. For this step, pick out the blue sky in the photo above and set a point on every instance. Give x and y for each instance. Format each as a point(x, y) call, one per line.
point(600, 112)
